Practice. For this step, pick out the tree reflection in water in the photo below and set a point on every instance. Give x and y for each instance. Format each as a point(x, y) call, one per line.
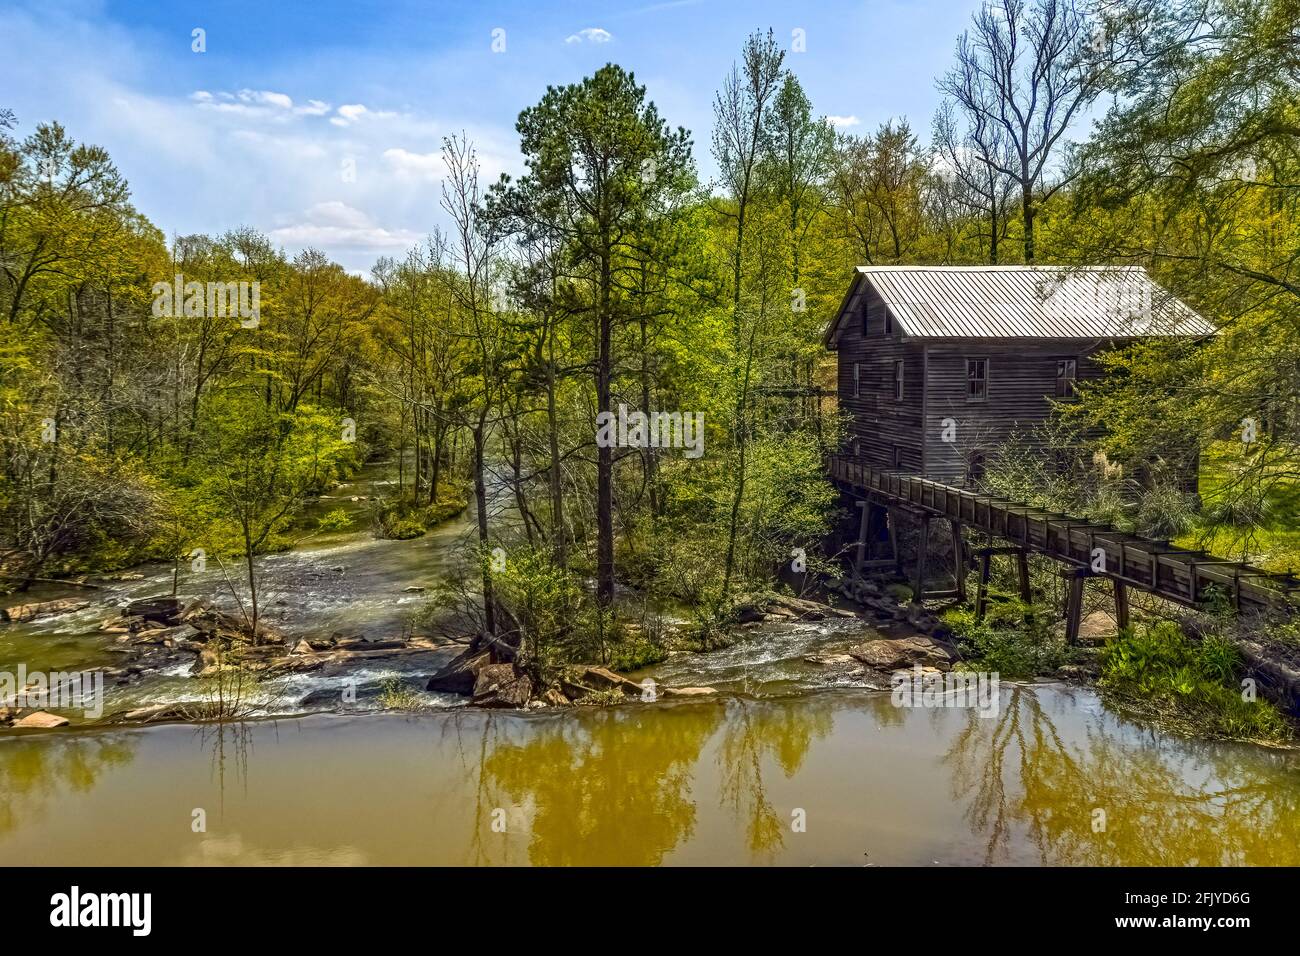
point(1167, 801)
point(230, 743)
point(758, 730)
point(39, 768)
point(614, 786)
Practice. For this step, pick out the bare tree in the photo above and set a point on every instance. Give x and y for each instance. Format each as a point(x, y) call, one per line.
point(738, 141)
point(977, 157)
point(1022, 78)
point(739, 114)
point(473, 251)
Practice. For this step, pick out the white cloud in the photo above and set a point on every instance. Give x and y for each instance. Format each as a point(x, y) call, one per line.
point(267, 98)
point(350, 113)
point(334, 223)
point(266, 104)
point(840, 122)
point(591, 35)
point(424, 165)
point(254, 154)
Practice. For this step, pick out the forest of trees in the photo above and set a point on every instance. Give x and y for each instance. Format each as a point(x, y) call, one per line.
point(1138, 132)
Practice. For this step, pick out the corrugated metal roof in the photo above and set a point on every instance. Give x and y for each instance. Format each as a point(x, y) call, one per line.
point(1042, 302)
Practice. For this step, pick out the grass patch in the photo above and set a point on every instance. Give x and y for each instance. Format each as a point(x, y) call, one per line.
point(1262, 524)
point(396, 694)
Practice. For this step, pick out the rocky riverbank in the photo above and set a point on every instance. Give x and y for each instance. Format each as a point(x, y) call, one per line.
point(167, 635)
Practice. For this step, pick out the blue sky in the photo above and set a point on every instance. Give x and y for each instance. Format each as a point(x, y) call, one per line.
point(263, 128)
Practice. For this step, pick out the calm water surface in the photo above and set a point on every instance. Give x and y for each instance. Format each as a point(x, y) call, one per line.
point(708, 782)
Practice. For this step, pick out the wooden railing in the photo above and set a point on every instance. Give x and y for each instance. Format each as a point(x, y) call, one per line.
point(1186, 577)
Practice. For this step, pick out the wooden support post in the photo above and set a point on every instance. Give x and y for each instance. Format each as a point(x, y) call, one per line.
point(1121, 604)
point(862, 535)
point(1074, 606)
point(1022, 566)
point(959, 560)
point(982, 593)
point(892, 522)
point(922, 551)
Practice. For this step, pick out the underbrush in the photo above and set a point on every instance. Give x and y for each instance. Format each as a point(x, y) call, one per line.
point(1015, 639)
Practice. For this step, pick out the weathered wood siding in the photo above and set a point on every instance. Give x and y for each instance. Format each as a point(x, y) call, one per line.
point(1021, 385)
point(880, 423)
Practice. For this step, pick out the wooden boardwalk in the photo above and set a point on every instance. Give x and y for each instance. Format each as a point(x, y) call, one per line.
point(1085, 548)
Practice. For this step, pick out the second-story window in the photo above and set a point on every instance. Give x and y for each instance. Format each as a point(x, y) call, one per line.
point(898, 381)
point(977, 379)
point(857, 380)
point(1067, 372)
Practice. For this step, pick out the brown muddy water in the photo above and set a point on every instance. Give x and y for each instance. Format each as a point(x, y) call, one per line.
point(788, 764)
point(710, 782)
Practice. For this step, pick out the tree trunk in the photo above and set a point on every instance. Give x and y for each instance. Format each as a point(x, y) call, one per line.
point(604, 454)
point(480, 503)
point(252, 584)
point(560, 535)
point(993, 235)
point(1027, 207)
point(651, 464)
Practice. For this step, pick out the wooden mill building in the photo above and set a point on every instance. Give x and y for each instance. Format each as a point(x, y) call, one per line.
point(939, 365)
point(988, 350)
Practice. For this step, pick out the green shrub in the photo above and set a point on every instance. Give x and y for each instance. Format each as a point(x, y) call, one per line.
point(402, 529)
point(635, 652)
point(901, 593)
point(336, 520)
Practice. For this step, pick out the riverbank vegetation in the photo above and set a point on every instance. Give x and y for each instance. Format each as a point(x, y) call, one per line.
point(505, 361)
point(1159, 671)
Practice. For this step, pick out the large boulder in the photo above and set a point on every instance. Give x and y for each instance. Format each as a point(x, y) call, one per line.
point(889, 654)
point(501, 685)
point(161, 610)
point(1275, 667)
point(1097, 627)
point(460, 674)
point(831, 660)
point(42, 720)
